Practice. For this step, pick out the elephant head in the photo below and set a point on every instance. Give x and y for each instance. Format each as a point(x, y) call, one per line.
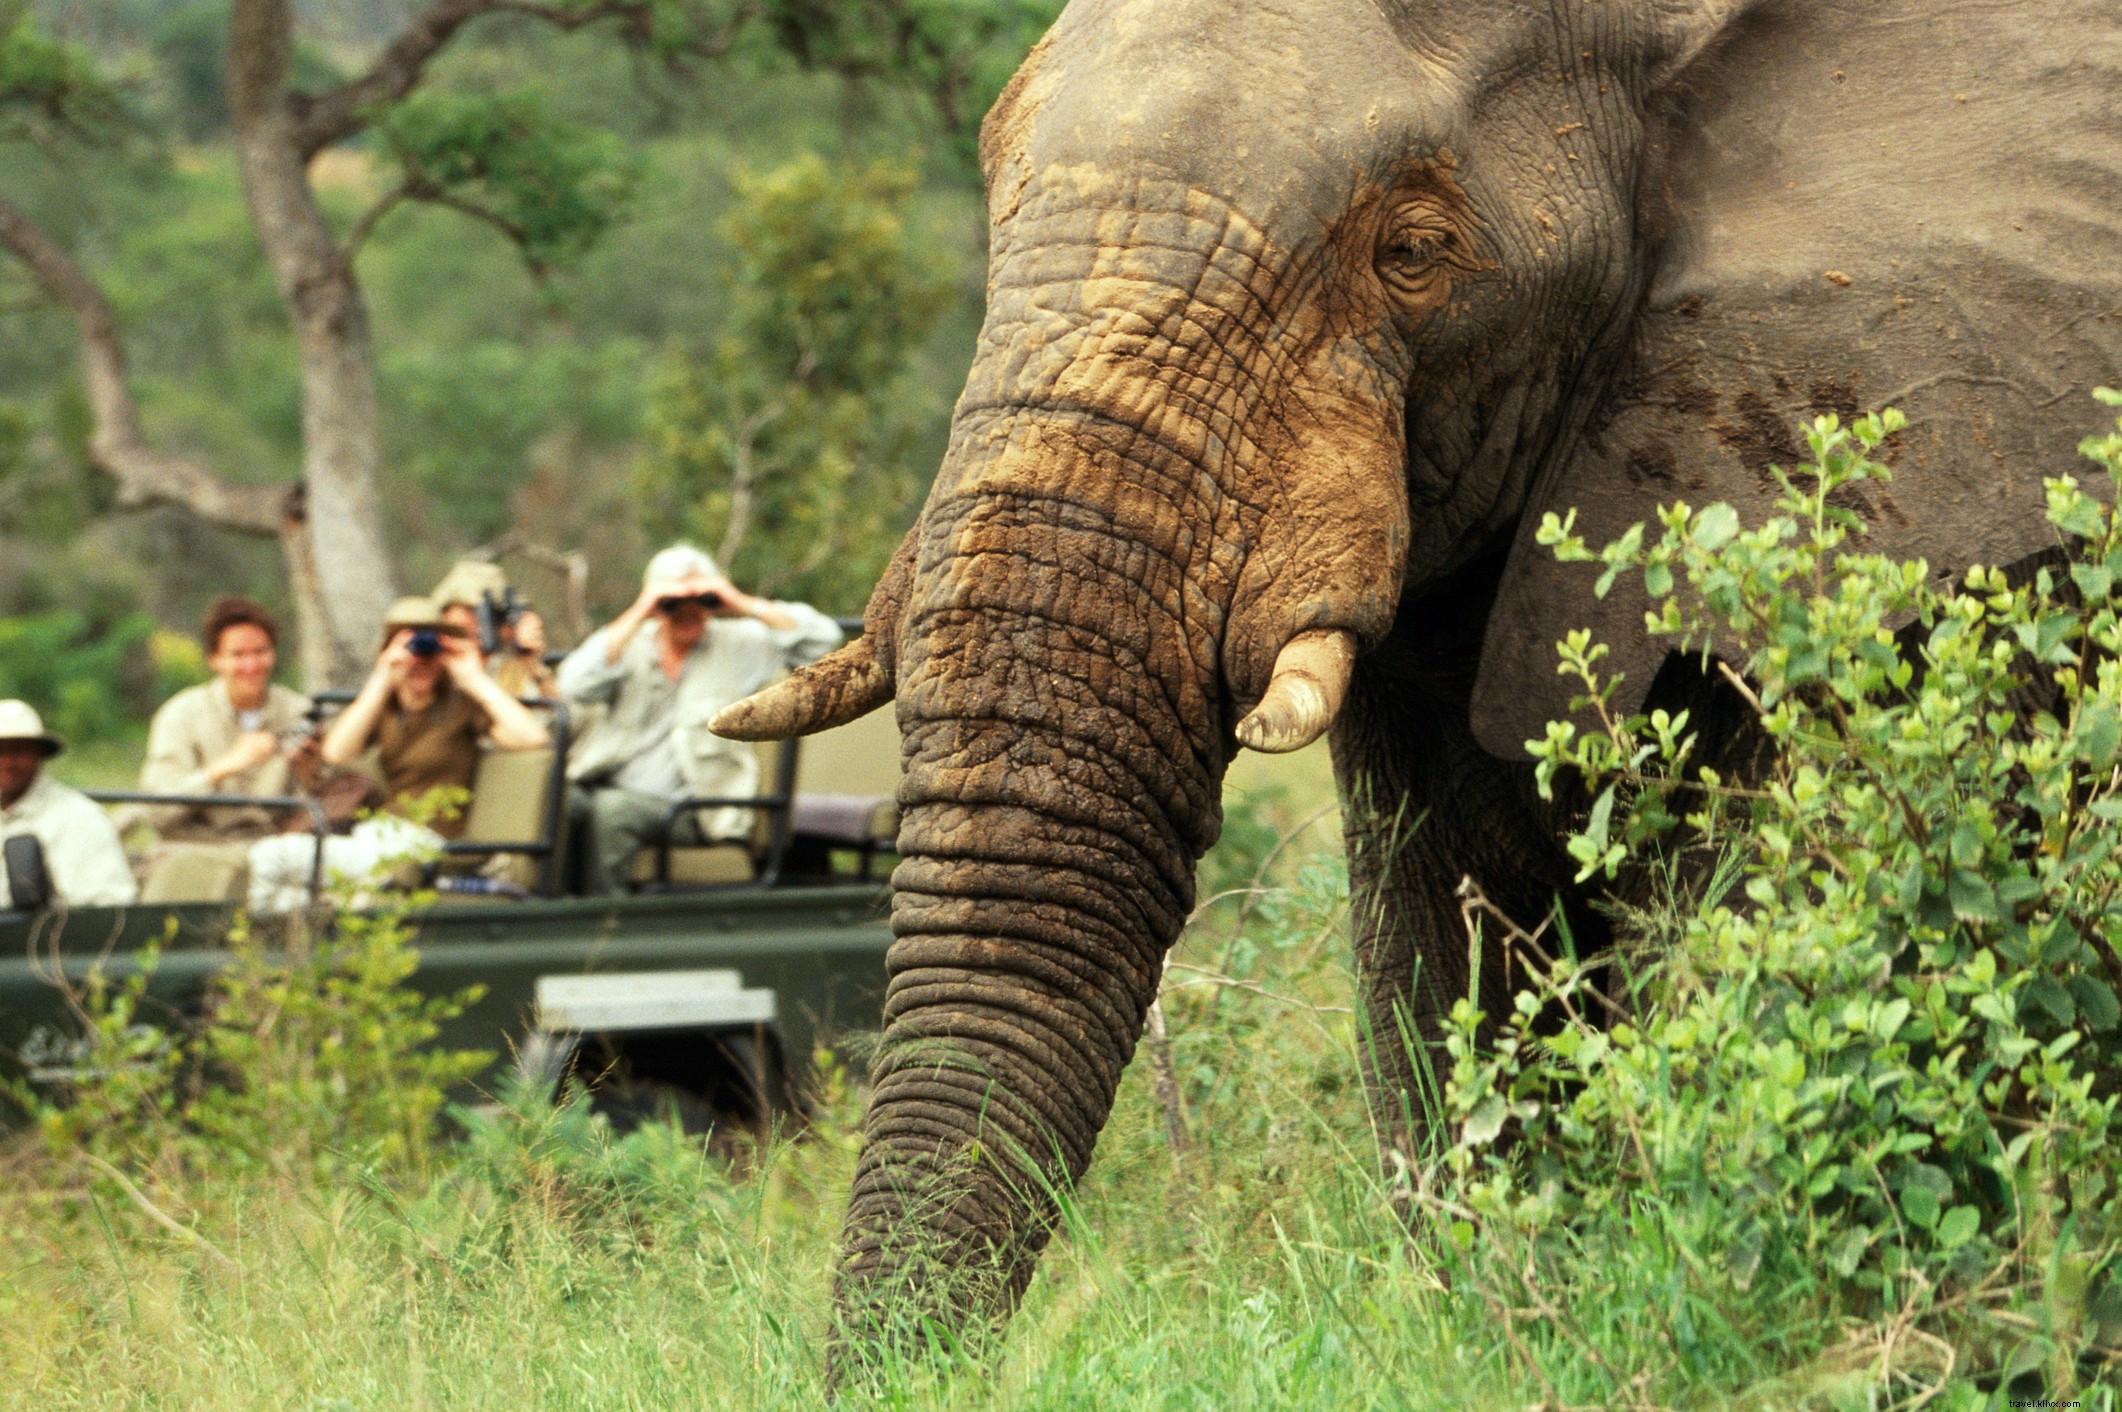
point(1292, 310)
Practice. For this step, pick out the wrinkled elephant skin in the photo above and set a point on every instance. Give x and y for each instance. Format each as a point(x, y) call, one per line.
point(1298, 318)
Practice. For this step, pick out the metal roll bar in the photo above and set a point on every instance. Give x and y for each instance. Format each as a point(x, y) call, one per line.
point(320, 827)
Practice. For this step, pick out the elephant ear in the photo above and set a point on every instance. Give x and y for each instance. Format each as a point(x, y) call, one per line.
point(1848, 207)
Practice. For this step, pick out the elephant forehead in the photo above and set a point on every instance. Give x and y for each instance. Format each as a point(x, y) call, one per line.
point(1281, 108)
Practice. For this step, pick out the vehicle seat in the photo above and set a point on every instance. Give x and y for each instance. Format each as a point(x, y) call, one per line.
point(197, 872)
point(846, 796)
point(510, 799)
point(722, 864)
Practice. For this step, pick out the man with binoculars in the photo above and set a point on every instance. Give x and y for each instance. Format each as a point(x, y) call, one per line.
point(691, 644)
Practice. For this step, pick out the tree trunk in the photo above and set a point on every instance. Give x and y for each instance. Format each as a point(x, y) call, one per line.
point(343, 583)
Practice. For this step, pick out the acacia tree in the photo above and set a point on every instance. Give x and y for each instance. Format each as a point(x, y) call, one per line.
point(497, 158)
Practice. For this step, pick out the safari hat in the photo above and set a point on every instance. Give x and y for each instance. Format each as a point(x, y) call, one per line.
point(418, 613)
point(677, 563)
point(469, 581)
point(19, 721)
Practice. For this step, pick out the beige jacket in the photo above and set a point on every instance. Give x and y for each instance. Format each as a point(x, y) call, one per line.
point(735, 659)
point(193, 729)
point(81, 848)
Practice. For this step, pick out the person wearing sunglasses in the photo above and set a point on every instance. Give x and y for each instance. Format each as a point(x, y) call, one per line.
point(691, 644)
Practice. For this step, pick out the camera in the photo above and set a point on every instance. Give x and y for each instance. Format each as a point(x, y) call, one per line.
point(426, 642)
point(498, 611)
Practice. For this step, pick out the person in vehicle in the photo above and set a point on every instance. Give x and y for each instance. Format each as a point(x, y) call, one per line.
point(427, 710)
point(518, 662)
point(691, 644)
point(82, 853)
point(240, 733)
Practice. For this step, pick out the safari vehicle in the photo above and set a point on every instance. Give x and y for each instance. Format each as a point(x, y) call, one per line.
point(704, 990)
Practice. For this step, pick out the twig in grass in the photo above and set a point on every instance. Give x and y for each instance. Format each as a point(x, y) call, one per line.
point(155, 1213)
point(1165, 1080)
point(1205, 976)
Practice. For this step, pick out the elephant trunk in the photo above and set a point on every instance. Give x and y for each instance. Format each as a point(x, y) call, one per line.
point(1063, 756)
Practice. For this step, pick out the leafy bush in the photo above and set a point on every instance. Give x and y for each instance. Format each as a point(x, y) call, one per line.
point(1883, 1076)
point(310, 1062)
point(92, 677)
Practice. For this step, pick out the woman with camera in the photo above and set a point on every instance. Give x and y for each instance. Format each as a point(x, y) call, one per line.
point(425, 708)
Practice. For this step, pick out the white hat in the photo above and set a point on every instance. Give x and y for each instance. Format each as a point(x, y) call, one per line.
point(678, 562)
point(19, 721)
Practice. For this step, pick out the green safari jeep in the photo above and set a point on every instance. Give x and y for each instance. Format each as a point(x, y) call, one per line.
point(705, 990)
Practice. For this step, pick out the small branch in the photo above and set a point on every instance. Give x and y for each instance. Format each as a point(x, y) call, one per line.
point(155, 1213)
point(372, 217)
point(1164, 1078)
point(1221, 981)
point(1738, 684)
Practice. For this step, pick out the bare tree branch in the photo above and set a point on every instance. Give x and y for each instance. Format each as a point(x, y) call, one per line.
point(372, 217)
point(116, 445)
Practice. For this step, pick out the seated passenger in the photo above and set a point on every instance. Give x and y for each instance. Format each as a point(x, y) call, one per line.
point(425, 710)
point(691, 644)
point(517, 664)
point(81, 849)
point(236, 734)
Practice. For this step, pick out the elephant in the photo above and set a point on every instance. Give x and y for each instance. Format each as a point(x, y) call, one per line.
point(1300, 316)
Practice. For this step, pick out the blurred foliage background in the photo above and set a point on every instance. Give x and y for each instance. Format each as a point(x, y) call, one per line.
point(739, 314)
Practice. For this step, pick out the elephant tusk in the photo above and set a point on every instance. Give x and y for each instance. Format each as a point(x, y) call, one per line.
point(837, 688)
point(1310, 682)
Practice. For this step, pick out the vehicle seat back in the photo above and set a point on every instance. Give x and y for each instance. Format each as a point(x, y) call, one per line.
point(197, 872)
point(847, 782)
point(511, 794)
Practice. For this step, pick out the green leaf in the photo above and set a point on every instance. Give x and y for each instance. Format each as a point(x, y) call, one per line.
point(2049, 994)
point(1958, 1227)
point(1715, 526)
point(1657, 579)
point(1920, 1205)
point(1743, 1257)
point(1847, 1252)
point(1972, 899)
point(1485, 1122)
point(2096, 1003)
point(2093, 580)
point(2099, 736)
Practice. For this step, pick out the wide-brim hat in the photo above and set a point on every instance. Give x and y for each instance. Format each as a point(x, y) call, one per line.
point(418, 614)
point(19, 721)
point(470, 580)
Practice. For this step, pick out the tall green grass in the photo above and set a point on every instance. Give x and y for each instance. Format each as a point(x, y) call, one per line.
point(540, 1263)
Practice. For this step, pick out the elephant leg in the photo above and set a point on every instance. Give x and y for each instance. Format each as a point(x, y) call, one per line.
point(1425, 807)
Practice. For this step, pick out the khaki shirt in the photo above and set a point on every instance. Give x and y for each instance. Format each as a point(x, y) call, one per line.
point(81, 848)
point(435, 746)
point(193, 729)
point(735, 659)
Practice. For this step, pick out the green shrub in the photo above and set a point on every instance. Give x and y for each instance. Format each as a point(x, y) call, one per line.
point(90, 676)
point(308, 1062)
point(1879, 1082)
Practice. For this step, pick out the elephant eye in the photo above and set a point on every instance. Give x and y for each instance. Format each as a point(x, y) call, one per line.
point(1417, 258)
point(1416, 247)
